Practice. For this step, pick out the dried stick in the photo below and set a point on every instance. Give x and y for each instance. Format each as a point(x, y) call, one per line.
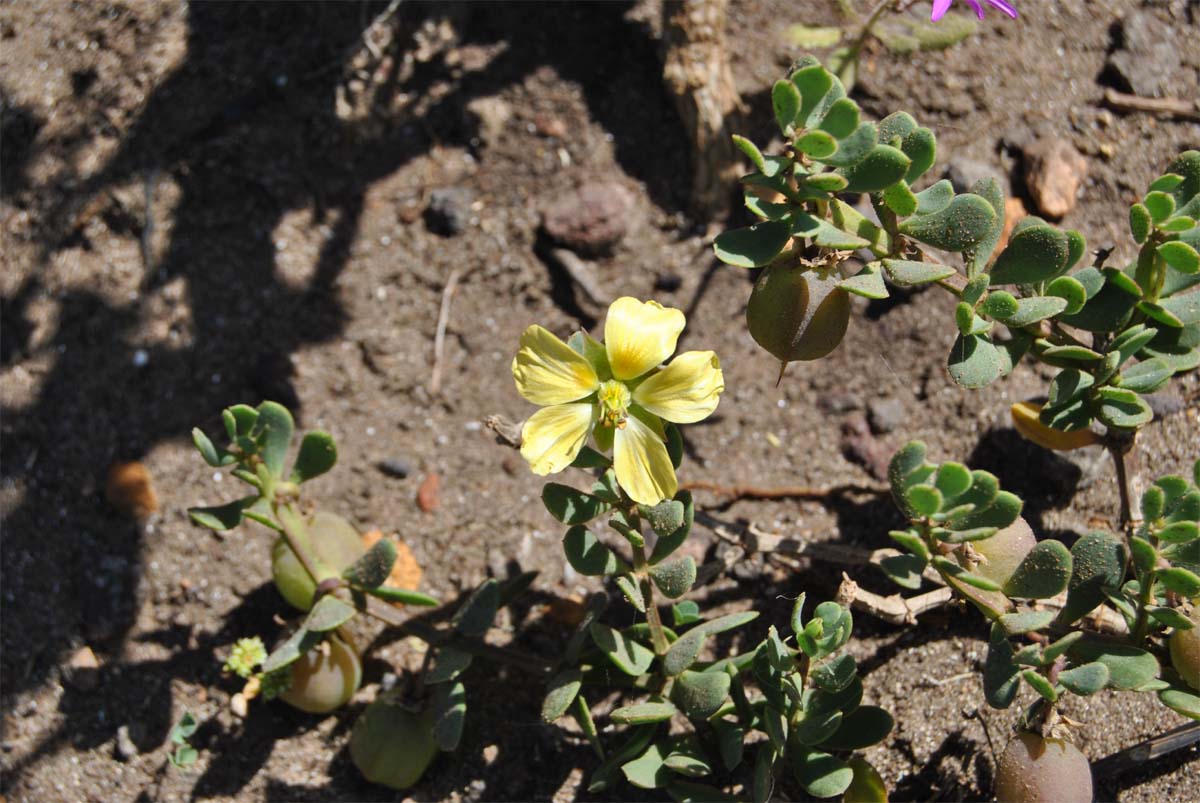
point(894, 608)
point(439, 338)
point(1148, 750)
point(581, 275)
point(1168, 107)
point(733, 493)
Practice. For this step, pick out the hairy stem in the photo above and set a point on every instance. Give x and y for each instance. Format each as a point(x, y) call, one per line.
point(658, 637)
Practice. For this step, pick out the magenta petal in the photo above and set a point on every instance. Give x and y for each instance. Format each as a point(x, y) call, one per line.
point(1007, 8)
point(940, 7)
point(978, 8)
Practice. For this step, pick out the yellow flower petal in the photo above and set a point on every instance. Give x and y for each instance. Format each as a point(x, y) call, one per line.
point(640, 336)
point(686, 391)
point(553, 436)
point(548, 371)
point(643, 466)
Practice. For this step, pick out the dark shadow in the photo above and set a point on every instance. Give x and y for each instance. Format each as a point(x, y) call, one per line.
point(1043, 479)
point(935, 783)
point(248, 130)
point(19, 127)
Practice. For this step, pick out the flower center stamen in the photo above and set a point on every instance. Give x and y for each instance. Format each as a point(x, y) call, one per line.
point(614, 400)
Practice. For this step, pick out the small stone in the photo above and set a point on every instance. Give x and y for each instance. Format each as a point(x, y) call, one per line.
point(239, 705)
point(388, 681)
point(885, 415)
point(83, 670)
point(127, 749)
point(838, 403)
point(493, 114)
point(129, 490)
point(396, 467)
point(590, 220)
point(449, 210)
point(427, 494)
point(963, 172)
point(490, 753)
point(668, 282)
point(550, 126)
point(859, 446)
point(1054, 172)
point(511, 465)
point(1145, 60)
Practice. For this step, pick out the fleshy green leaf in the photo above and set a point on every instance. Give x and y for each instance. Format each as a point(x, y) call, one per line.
point(753, 246)
point(318, 454)
point(1044, 572)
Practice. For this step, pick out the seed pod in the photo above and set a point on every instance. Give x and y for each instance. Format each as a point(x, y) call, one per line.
point(1033, 769)
point(796, 316)
point(1185, 652)
point(391, 745)
point(325, 677)
point(1004, 551)
point(867, 786)
point(1025, 419)
point(336, 544)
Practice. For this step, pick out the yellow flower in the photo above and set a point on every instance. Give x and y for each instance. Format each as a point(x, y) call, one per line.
point(618, 391)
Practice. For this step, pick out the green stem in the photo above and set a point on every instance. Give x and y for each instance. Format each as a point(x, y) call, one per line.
point(1142, 624)
point(658, 636)
point(295, 533)
point(868, 26)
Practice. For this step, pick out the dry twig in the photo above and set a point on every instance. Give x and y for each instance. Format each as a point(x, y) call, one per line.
point(439, 338)
point(581, 275)
point(1167, 107)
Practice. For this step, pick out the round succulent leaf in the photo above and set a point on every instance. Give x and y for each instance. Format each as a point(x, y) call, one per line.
point(1070, 290)
point(813, 83)
point(630, 656)
point(867, 283)
point(1097, 564)
point(570, 505)
point(819, 773)
point(1139, 223)
point(882, 167)
point(751, 150)
point(318, 454)
point(1076, 248)
point(1043, 573)
point(1180, 256)
point(1001, 674)
point(785, 101)
point(1166, 182)
point(561, 691)
point(701, 694)
point(1182, 581)
point(632, 591)
point(962, 225)
point(1159, 204)
point(975, 287)
point(911, 541)
point(273, 432)
point(920, 146)
point(904, 570)
point(814, 727)
point(935, 198)
point(587, 555)
point(817, 144)
point(643, 713)
point(731, 742)
point(865, 726)
point(907, 273)
point(999, 304)
point(1123, 409)
point(648, 771)
point(687, 760)
point(835, 674)
point(1036, 308)
point(1147, 376)
point(974, 361)
point(329, 613)
point(1085, 680)
point(1154, 501)
point(1171, 617)
point(1015, 624)
point(1040, 684)
point(1035, 254)
point(475, 616)
point(952, 480)
point(926, 500)
point(842, 118)
point(1182, 701)
point(854, 148)
point(753, 246)
point(1128, 667)
point(900, 199)
point(1179, 532)
point(674, 578)
point(1107, 310)
point(449, 714)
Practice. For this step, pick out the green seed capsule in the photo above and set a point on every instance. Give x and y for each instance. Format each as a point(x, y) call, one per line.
point(336, 544)
point(796, 315)
point(391, 745)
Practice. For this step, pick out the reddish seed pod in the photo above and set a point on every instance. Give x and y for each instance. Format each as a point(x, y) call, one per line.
point(1004, 551)
point(1033, 769)
point(325, 677)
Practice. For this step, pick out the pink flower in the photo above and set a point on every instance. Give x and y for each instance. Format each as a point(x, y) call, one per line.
point(940, 7)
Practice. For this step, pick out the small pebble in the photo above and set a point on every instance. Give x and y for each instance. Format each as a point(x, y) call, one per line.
point(427, 494)
point(127, 749)
point(885, 415)
point(396, 467)
point(83, 669)
point(1054, 172)
point(449, 211)
point(590, 220)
